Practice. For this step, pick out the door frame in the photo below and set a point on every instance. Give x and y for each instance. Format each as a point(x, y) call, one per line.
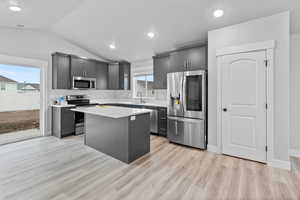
point(269, 47)
point(43, 66)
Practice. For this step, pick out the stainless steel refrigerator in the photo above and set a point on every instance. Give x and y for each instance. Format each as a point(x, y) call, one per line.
point(187, 108)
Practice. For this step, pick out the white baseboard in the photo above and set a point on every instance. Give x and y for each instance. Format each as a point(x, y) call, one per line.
point(294, 152)
point(213, 148)
point(280, 164)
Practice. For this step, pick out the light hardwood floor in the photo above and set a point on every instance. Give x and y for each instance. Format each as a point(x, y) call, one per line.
point(49, 168)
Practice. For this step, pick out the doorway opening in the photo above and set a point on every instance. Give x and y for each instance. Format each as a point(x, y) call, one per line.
point(20, 103)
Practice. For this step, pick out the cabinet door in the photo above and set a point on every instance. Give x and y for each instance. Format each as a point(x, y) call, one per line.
point(113, 76)
point(90, 68)
point(67, 122)
point(124, 76)
point(77, 68)
point(160, 69)
point(102, 75)
point(61, 78)
point(178, 61)
point(197, 58)
point(162, 121)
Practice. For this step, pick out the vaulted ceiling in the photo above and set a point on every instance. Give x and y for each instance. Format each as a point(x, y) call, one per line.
point(94, 24)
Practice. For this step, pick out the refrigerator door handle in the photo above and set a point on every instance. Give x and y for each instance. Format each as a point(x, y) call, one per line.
point(184, 119)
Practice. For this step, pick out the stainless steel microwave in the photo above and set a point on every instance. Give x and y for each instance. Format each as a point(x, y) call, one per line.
point(84, 83)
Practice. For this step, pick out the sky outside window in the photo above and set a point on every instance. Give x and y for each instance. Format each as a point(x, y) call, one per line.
point(20, 73)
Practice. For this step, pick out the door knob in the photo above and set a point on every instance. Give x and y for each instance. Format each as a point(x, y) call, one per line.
point(225, 109)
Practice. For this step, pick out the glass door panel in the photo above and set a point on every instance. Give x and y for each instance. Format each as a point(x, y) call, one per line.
point(194, 93)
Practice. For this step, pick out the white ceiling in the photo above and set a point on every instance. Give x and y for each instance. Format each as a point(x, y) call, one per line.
point(94, 24)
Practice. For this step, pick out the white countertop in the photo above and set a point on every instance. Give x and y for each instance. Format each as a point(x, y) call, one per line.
point(111, 111)
point(63, 106)
point(154, 103)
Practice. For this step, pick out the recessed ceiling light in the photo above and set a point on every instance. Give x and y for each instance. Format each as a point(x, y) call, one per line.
point(15, 8)
point(218, 13)
point(151, 35)
point(112, 46)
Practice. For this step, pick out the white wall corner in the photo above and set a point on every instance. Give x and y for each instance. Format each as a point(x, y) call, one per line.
point(294, 152)
point(282, 164)
point(213, 148)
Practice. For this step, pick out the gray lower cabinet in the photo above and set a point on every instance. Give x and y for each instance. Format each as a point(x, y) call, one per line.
point(125, 139)
point(61, 69)
point(101, 75)
point(160, 119)
point(161, 68)
point(63, 121)
point(162, 122)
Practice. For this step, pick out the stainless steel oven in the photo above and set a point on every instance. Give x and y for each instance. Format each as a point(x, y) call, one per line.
point(79, 100)
point(187, 108)
point(83, 83)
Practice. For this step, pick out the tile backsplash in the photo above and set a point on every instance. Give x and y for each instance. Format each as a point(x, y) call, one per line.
point(160, 95)
point(92, 94)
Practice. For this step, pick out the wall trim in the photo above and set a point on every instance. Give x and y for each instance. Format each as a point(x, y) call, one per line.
point(294, 152)
point(268, 46)
point(43, 66)
point(280, 164)
point(213, 149)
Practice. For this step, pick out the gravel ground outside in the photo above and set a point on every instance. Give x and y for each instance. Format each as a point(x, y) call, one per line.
point(19, 120)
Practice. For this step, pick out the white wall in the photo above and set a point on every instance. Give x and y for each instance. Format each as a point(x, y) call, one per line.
point(35, 44)
point(295, 92)
point(277, 28)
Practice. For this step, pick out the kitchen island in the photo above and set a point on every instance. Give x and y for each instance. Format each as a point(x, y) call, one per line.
point(123, 133)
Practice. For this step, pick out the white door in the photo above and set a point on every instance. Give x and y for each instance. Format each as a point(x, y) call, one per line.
point(244, 105)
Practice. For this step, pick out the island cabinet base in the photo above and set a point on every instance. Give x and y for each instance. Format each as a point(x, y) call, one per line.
point(125, 139)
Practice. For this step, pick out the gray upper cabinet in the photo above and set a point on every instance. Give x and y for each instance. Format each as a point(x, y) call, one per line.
point(187, 59)
point(101, 75)
point(83, 67)
point(61, 70)
point(113, 76)
point(196, 58)
point(161, 66)
point(177, 61)
point(90, 69)
point(124, 76)
point(76, 66)
point(119, 76)
point(108, 76)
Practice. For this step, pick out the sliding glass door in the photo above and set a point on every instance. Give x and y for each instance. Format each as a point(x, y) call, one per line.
point(19, 103)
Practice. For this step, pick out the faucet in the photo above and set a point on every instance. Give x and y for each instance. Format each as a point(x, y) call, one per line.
point(140, 94)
